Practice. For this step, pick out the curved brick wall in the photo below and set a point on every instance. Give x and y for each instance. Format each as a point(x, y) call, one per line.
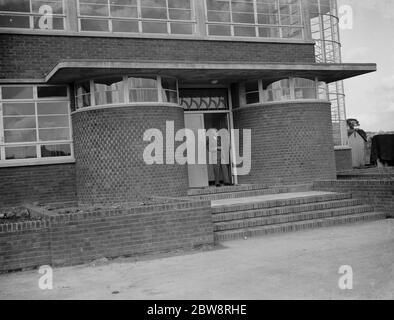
point(108, 146)
point(291, 142)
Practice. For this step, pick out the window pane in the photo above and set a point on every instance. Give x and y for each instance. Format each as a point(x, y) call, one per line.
point(154, 27)
point(15, 5)
point(124, 26)
point(20, 153)
point(19, 136)
point(181, 28)
point(168, 83)
point(218, 5)
point(143, 82)
point(57, 150)
point(124, 12)
point(54, 134)
point(185, 4)
point(14, 22)
point(94, 25)
point(154, 13)
point(177, 14)
point(49, 23)
point(251, 86)
point(143, 95)
point(93, 10)
point(245, 31)
point(18, 109)
point(217, 30)
point(53, 122)
point(17, 92)
point(56, 5)
point(170, 96)
point(217, 16)
point(19, 122)
point(252, 98)
point(52, 91)
point(52, 108)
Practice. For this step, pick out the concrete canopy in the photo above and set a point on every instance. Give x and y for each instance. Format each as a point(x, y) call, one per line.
point(205, 72)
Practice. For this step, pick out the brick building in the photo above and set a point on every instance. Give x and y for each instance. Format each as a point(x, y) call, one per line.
point(82, 80)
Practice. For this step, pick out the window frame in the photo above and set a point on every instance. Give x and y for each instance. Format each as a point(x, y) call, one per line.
point(126, 90)
point(256, 25)
point(39, 159)
point(264, 93)
point(33, 15)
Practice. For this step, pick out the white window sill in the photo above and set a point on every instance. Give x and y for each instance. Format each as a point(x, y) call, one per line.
point(34, 162)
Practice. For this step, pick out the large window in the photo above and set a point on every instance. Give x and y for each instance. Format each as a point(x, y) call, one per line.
point(34, 123)
point(126, 90)
point(137, 16)
point(253, 92)
point(32, 14)
point(255, 18)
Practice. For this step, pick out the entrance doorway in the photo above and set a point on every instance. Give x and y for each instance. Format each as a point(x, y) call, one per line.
point(207, 109)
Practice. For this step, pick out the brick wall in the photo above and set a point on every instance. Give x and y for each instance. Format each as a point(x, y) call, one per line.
point(33, 56)
point(80, 238)
point(109, 146)
point(46, 183)
point(291, 142)
point(378, 193)
point(343, 159)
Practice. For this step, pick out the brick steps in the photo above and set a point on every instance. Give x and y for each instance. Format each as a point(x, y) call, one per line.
point(294, 200)
point(255, 216)
point(234, 192)
point(297, 226)
point(285, 218)
point(250, 214)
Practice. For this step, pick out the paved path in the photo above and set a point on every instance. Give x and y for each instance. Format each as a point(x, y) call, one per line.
point(289, 266)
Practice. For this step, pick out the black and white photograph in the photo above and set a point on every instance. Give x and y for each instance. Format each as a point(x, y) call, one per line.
point(205, 153)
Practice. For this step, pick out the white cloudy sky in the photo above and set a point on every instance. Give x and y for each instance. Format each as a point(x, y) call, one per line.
point(370, 98)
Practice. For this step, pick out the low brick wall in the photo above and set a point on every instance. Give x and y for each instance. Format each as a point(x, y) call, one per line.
point(45, 183)
point(79, 238)
point(378, 193)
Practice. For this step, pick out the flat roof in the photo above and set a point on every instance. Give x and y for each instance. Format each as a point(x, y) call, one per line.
point(205, 72)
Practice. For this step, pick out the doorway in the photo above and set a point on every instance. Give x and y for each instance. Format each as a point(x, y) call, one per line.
point(203, 175)
point(206, 108)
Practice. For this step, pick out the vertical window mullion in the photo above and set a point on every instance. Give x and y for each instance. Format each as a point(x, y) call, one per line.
point(261, 91)
point(126, 89)
point(2, 149)
point(92, 95)
point(256, 18)
point(139, 12)
point(292, 88)
point(31, 17)
point(159, 89)
point(231, 19)
point(168, 18)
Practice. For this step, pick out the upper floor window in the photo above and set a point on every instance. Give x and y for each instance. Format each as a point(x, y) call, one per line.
point(125, 90)
point(137, 16)
point(32, 14)
point(255, 18)
point(34, 123)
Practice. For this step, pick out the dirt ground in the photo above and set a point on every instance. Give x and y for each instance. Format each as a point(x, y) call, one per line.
point(302, 265)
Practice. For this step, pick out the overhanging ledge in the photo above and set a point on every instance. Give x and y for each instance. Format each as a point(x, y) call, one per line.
point(203, 72)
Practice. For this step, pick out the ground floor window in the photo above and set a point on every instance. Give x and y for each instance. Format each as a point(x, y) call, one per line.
point(126, 90)
point(258, 91)
point(34, 123)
